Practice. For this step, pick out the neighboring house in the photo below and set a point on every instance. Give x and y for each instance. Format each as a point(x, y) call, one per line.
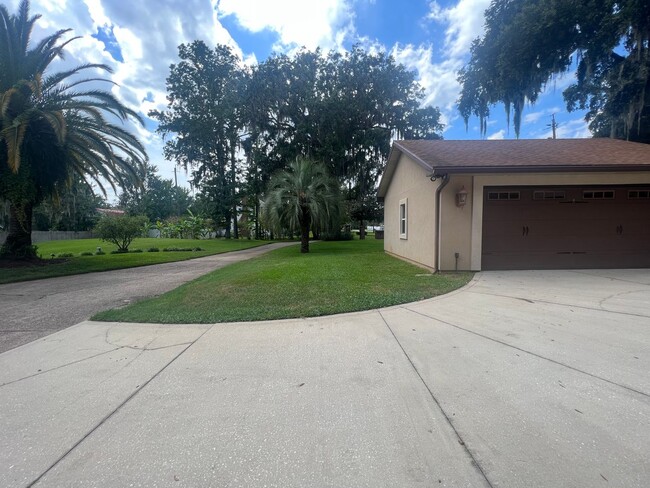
point(113, 212)
point(518, 204)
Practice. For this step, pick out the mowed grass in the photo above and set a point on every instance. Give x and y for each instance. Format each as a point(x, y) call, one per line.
point(334, 277)
point(86, 264)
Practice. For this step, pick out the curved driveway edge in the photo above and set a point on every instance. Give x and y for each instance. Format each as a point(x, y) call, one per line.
point(525, 379)
point(33, 309)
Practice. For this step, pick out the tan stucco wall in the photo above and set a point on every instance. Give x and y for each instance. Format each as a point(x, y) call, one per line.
point(410, 181)
point(456, 224)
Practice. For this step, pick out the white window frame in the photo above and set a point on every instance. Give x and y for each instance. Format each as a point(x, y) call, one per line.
point(403, 218)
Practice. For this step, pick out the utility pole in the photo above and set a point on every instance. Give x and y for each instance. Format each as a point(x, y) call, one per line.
point(553, 125)
point(176, 179)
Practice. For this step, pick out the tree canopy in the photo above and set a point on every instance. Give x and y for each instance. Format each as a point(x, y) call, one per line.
point(235, 126)
point(527, 43)
point(203, 116)
point(157, 198)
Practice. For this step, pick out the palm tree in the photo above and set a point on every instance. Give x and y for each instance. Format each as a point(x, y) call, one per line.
point(53, 126)
point(301, 196)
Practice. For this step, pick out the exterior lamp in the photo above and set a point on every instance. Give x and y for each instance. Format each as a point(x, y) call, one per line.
point(461, 197)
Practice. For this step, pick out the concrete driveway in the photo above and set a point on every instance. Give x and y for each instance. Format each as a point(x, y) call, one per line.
point(33, 309)
point(522, 379)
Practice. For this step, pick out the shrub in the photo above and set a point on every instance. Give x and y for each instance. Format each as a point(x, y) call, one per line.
point(120, 230)
point(99, 252)
point(23, 252)
point(337, 236)
point(153, 249)
point(86, 253)
point(65, 255)
point(119, 251)
point(136, 250)
point(182, 249)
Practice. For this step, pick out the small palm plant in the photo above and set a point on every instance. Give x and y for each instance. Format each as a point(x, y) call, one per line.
point(301, 196)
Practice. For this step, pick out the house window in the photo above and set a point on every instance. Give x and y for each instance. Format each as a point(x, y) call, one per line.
point(403, 215)
point(598, 195)
point(503, 195)
point(549, 195)
point(638, 194)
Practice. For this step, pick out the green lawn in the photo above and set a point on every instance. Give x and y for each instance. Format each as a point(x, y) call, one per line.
point(86, 264)
point(334, 277)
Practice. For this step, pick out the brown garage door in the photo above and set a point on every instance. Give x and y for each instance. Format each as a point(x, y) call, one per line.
point(566, 227)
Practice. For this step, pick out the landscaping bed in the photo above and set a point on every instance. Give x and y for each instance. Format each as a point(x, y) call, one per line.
point(334, 277)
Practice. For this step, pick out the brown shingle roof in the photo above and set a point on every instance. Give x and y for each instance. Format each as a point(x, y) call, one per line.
point(547, 154)
point(523, 155)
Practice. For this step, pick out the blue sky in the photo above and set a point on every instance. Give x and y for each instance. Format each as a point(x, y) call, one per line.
point(138, 39)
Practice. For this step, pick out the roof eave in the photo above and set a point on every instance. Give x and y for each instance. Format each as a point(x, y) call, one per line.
point(540, 169)
point(393, 158)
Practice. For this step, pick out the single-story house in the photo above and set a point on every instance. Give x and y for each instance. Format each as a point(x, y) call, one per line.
point(518, 204)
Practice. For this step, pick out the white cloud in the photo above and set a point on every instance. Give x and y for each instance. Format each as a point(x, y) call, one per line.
point(437, 79)
point(464, 24)
point(324, 23)
point(576, 128)
point(497, 135)
point(534, 117)
point(97, 13)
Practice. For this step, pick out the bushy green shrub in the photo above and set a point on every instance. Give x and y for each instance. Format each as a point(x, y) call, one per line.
point(86, 253)
point(337, 236)
point(187, 227)
point(153, 249)
point(119, 251)
point(120, 230)
point(65, 255)
point(22, 252)
point(136, 250)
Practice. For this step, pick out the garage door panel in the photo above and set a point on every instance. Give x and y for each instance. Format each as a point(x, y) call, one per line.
point(610, 231)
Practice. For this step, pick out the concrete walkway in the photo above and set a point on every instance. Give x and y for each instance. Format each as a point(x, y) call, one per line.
point(34, 309)
point(522, 379)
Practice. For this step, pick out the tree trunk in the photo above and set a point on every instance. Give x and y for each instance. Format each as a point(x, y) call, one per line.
point(257, 217)
point(362, 230)
point(304, 232)
point(304, 238)
point(19, 239)
point(233, 182)
point(228, 219)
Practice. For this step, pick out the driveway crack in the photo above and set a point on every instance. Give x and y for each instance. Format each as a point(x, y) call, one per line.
point(461, 441)
point(559, 363)
point(115, 410)
point(610, 278)
point(571, 305)
point(59, 367)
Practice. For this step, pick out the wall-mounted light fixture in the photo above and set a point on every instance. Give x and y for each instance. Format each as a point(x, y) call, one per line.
point(461, 197)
